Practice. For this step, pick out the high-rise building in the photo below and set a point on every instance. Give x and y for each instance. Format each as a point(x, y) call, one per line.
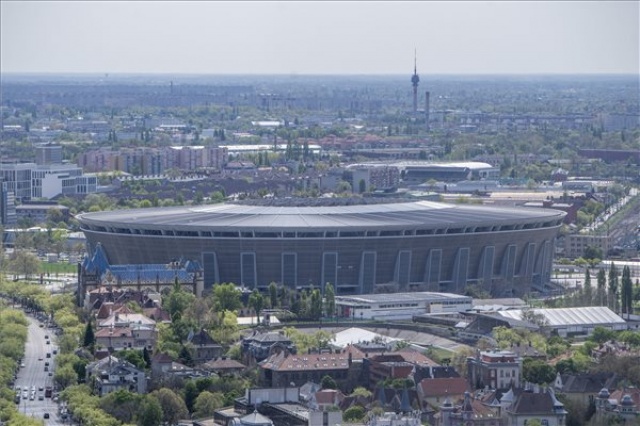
point(48, 153)
point(7, 205)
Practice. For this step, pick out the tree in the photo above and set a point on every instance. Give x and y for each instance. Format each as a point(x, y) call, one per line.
point(592, 253)
point(185, 356)
point(147, 357)
point(362, 186)
point(273, 295)
point(89, 337)
point(613, 287)
point(536, 371)
point(329, 300)
point(226, 297)
point(353, 414)
point(150, 413)
point(65, 376)
point(315, 305)
point(256, 301)
point(226, 328)
point(177, 301)
point(600, 289)
point(328, 383)
point(25, 263)
point(207, 403)
point(627, 291)
point(121, 404)
point(588, 289)
point(190, 395)
point(601, 335)
point(173, 407)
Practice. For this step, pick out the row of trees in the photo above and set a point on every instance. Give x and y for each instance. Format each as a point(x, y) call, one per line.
point(613, 289)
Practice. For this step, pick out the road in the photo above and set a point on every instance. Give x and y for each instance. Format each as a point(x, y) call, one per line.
point(33, 374)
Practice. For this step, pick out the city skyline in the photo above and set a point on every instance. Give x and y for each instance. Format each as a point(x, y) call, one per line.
point(320, 37)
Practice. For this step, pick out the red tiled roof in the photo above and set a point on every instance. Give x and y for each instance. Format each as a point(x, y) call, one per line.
point(450, 386)
point(327, 361)
point(329, 396)
point(115, 332)
point(223, 364)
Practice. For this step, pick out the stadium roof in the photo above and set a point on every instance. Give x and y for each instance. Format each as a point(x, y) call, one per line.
point(400, 297)
point(571, 316)
point(363, 216)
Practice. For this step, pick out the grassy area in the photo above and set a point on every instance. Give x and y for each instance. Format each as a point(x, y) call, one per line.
point(57, 268)
point(439, 354)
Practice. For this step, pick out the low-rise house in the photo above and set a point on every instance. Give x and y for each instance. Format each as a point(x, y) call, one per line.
point(435, 391)
point(586, 386)
point(325, 399)
point(131, 336)
point(160, 363)
point(524, 405)
point(224, 366)
point(205, 348)
point(259, 346)
point(111, 374)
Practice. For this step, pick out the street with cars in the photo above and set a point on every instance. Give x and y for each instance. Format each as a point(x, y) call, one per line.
point(34, 385)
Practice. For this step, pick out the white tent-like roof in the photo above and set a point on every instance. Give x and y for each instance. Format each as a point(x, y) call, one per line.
point(558, 317)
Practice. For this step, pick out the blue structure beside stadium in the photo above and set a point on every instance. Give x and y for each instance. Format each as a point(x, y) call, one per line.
point(360, 249)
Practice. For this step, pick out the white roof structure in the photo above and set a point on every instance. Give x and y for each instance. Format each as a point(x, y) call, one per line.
point(355, 335)
point(559, 317)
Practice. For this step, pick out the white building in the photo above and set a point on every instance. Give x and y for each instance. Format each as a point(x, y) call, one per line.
point(574, 321)
point(396, 306)
point(29, 180)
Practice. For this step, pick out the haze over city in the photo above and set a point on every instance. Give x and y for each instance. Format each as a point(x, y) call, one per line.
point(320, 37)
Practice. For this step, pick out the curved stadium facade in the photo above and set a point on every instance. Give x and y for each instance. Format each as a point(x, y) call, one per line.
point(408, 246)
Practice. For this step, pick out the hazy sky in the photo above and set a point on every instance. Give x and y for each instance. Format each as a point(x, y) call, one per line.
point(324, 37)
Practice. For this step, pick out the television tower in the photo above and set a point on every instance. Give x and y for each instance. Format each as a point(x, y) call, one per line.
point(414, 81)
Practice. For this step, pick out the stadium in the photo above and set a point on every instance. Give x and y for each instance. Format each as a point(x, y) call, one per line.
point(359, 249)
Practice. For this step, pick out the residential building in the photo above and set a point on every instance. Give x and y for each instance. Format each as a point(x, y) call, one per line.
point(111, 374)
point(283, 368)
point(205, 348)
point(224, 366)
point(467, 412)
point(621, 406)
point(259, 346)
point(584, 387)
point(521, 406)
point(495, 369)
point(436, 391)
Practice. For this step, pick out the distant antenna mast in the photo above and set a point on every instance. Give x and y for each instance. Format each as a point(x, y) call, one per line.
point(171, 87)
point(414, 81)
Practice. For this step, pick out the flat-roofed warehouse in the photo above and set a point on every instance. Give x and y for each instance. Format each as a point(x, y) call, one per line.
point(574, 321)
point(360, 249)
point(396, 306)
